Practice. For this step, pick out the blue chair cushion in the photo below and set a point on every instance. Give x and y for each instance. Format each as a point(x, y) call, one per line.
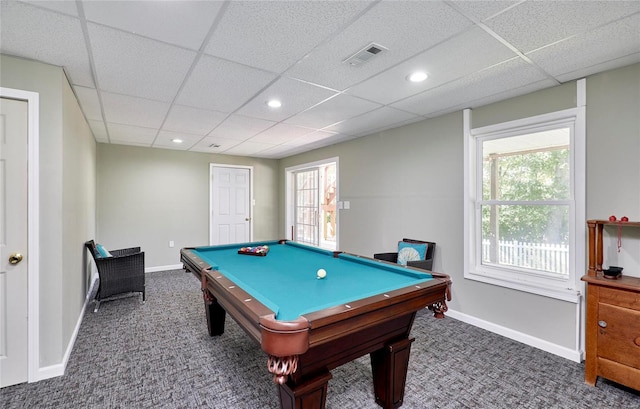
point(411, 252)
point(102, 252)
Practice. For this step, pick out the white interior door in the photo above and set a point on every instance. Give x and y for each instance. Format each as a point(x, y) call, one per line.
point(13, 242)
point(230, 205)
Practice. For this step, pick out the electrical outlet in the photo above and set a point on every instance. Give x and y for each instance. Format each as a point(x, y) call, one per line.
point(171, 243)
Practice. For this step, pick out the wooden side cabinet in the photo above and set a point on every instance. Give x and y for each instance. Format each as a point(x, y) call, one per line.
point(613, 317)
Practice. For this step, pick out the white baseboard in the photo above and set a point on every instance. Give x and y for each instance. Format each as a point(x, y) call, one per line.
point(52, 371)
point(163, 268)
point(564, 352)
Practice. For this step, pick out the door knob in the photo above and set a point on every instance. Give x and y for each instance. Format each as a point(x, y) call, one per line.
point(248, 219)
point(15, 258)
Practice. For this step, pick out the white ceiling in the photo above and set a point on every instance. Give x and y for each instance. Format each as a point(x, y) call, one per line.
point(148, 72)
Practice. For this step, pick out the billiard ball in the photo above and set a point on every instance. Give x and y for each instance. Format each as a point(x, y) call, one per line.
point(322, 273)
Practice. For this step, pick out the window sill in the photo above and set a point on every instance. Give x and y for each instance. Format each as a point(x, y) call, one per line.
point(559, 293)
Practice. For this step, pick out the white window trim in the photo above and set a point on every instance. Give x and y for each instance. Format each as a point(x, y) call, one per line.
point(569, 289)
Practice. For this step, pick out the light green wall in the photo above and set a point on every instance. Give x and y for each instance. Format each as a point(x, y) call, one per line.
point(408, 182)
point(147, 197)
point(613, 159)
point(67, 200)
point(78, 207)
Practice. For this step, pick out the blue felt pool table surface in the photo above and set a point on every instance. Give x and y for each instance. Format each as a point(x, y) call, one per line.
point(285, 280)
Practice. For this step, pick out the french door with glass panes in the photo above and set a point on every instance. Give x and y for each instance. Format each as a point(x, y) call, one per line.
point(306, 206)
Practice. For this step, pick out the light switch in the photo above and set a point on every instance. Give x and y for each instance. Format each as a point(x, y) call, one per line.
point(347, 205)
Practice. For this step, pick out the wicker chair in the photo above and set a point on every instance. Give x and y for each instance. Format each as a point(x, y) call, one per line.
point(426, 264)
point(121, 273)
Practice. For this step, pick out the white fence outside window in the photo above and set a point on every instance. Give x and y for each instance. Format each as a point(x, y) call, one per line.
point(538, 256)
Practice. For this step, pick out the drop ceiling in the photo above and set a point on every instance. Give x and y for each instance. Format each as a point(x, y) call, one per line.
point(147, 73)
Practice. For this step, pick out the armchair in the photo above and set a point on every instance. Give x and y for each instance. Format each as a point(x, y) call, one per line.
point(119, 272)
point(410, 252)
point(425, 262)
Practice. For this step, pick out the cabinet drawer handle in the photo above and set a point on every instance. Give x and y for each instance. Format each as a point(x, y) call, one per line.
point(637, 341)
point(602, 324)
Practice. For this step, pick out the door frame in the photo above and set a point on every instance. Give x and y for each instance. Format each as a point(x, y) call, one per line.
point(251, 199)
point(33, 225)
point(289, 193)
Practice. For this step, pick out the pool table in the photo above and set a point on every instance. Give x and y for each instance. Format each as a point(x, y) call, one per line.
point(309, 326)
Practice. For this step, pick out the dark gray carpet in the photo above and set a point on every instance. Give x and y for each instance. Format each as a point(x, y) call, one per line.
point(158, 355)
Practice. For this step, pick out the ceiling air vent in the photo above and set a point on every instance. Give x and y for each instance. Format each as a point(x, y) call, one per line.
point(365, 54)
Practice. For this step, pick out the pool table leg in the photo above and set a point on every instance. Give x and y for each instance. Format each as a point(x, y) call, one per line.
point(389, 366)
point(215, 314)
point(310, 394)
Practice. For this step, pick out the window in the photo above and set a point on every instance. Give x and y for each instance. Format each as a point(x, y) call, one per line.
point(524, 217)
point(525, 203)
point(311, 203)
point(306, 206)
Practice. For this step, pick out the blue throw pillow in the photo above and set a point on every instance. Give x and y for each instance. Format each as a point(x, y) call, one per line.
point(411, 252)
point(102, 252)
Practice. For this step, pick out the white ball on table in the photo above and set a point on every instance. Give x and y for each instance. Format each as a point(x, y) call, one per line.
point(322, 273)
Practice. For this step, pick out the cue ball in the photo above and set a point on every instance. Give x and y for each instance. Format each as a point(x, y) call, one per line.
point(322, 273)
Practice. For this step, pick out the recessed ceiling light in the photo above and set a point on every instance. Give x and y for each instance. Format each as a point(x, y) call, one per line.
point(176, 140)
point(417, 76)
point(274, 103)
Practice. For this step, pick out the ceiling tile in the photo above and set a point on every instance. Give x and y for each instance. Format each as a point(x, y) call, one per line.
point(512, 74)
point(149, 75)
point(248, 148)
point(33, 33)
point(591, 49)
point(281, 133)
point(66, 7)
point(183, 23)
point(334, 110)
point(296, 96)
point(442, 63)
point(604, 66)
point(240, 127)
point(99, 131)
point(482, 10)
point(534, 24)
point(259, 33)
point(123, 109)
point(311, 138)
point(131, 135)
point(280, 151)
point(192, 120)
point(222, 85)
point(88, 99)
point(500, 96)
point(405, 30)
point(165, 140)
point(220, 144)
point(133, 65)
point(384, 117)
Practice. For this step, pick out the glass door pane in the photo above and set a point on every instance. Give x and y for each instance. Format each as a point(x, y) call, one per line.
point(306, 206)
